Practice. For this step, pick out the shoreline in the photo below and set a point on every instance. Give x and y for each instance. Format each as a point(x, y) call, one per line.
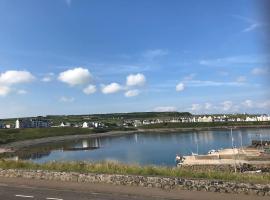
point(14, 146)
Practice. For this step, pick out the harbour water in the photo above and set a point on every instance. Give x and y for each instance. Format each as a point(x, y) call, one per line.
point(143, 148)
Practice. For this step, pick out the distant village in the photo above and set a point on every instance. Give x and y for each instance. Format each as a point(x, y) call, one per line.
point(43, 122)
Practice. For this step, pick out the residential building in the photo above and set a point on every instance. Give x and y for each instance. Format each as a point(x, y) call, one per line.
point(251, 119)
point(38, 122)
point(85, 125)
point(263, 118)
point(65, 124)
point(23, 123)
point(8, 126)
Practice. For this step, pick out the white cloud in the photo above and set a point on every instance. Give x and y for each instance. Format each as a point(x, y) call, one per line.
point(200, 83)
point(241, 79)
point(90, 89)
point(260, 71)
point(248, 103)
point(195, 107)
point(253, 24)
point(22, 92)
point(132, 93)
point(151, 54)
point(208, 106)
point(111, 88)
point(252, 27)
point(180, 87)
point(13, 77)
point(264, 104)
point(236, 60)
point(165, 109)
point(66, 99)
point(135, 80)
point(76, 76)
point(189, 77)
point(4, 90)
point(48, 77)
point(227, 105)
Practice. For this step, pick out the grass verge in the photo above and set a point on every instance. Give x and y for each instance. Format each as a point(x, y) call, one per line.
point(118, 168)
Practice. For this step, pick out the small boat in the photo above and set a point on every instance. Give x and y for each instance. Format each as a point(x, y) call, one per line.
point(179, 160)
point(212, 151)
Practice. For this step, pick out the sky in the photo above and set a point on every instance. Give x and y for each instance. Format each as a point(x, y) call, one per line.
point(97, 56)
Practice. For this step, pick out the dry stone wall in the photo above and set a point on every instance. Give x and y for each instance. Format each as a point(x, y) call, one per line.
point(165, 183)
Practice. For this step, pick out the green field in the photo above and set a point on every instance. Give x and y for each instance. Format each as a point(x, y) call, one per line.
point(13, 135)
point(204, 124)
point(118, 168)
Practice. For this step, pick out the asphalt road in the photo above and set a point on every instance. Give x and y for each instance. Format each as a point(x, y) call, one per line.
point(24, 189)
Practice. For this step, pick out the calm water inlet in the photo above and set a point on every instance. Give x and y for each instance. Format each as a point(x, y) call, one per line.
point(143, 148)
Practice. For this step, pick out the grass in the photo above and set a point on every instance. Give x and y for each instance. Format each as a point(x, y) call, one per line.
point(203, 125)
point(13, 135)
point(118, 168)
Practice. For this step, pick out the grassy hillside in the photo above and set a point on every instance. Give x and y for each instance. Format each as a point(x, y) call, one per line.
point(107, 118)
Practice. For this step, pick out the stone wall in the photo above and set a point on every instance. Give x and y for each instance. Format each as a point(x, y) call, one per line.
point(143, 181)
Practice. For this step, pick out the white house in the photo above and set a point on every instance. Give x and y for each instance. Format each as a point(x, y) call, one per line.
point(263, 118)
point(205, 119)
point(251, 119)
point(8, 126)
point(65, 124)
point(85, 125)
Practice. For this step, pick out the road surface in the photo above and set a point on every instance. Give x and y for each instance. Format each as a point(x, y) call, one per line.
point(28, 189)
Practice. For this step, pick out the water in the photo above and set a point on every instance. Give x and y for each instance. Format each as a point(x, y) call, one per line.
point(143, 148)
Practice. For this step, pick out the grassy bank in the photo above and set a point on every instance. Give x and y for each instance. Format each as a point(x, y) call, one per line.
point(13, 135)
point(117, 168)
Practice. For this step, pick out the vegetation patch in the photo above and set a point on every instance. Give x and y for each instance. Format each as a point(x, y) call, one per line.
point(205, 125)
point(13, 135)
point(124, 169)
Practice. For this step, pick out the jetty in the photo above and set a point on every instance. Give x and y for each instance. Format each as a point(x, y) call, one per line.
point(233, 156)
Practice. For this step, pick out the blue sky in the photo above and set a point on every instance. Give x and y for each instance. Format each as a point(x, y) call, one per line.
point(81, 57)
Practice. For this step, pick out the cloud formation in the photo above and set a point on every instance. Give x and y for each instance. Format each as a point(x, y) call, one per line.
point(165, 109)
point(180, 87)
point(153, 53)
point(48, 77)
point(65, 99)
point(132, 93)
point(111, 88)
point(22, 92)
point(76, 76)
point(90, 89)
point(260, 71)
point(135, 80)
point(4, 90)
point(13, 77)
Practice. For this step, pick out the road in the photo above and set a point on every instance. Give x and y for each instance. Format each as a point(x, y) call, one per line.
point(24, 189)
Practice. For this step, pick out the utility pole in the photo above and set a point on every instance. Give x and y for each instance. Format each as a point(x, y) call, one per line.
point(233, 152)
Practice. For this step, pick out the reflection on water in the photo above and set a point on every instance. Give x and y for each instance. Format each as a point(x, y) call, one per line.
point(145, 148)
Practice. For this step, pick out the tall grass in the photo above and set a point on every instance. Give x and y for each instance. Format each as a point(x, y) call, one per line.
point(118, 168)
